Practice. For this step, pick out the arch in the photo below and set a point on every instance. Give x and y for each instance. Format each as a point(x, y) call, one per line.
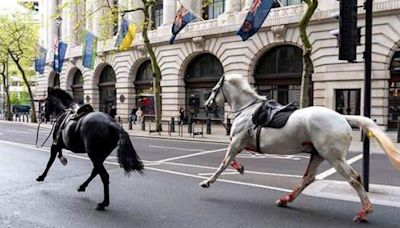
point(394, 90)
point(144, 88)
point(201, 74)
point(54, 80)
point(107, 90)
point(77, 87)
point(278, 71)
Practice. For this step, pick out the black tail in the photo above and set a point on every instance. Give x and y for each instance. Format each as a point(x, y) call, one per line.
point(127, 156)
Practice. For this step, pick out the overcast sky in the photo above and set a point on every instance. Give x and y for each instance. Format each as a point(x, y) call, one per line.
point(10, 6)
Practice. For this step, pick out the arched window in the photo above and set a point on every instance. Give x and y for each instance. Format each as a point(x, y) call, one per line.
point(394, 90)
point(56, 82)
point(278, 74)
point(213, 9)
point(77, 87)
point(107, 91)
point(144, 88)
point(202, 74)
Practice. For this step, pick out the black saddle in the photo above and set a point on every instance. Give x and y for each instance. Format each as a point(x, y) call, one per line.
point(272, 114)
point(82, 111)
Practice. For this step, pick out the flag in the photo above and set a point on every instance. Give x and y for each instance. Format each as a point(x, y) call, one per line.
point(59, 56)
point(255, 18)
point(40, 60)
point(89, 50)
point(182, 18)
point(126, 35)
point(55, 54)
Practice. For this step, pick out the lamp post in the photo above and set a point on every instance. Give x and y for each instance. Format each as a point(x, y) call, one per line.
point(56, 64)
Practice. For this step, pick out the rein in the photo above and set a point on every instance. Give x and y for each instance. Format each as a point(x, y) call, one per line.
point(37, 134)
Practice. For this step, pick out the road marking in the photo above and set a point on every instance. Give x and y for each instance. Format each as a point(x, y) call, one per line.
point(20, 132)
point(224, 173)
point(192, 155)
point(174, 148)
point(331, 171)
point(285, 157)
point(231, 170)
point(159, 170)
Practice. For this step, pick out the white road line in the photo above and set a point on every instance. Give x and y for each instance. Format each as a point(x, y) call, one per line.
point(20, 132)
point(174, 148)
point(192, 155)
point(285, 157)
point(224, 173)
point(331, 171)
point(163, 170)
point(232, 170)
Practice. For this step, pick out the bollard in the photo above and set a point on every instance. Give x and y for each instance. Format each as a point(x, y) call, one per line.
point(190, 125)
point(172, 127)
point(143, 124)
point(130, 125)
point(208, 128)
point(398, 129)
point(228, 126)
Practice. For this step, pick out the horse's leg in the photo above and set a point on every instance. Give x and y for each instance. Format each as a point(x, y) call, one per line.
point(355, 181)
point(105, 179)
point(83, 186)
point(308, 178)
point(233, 149)
point(53, 153)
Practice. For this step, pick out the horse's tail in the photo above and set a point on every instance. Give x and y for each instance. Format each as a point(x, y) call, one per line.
point(128, 159)
point(373, 130)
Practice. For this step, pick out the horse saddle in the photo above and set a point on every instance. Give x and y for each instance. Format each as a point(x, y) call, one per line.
point(272, 114)
point(82, 111)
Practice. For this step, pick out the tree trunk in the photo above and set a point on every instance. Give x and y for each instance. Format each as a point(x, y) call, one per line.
point(6, 86)
point(154, 65)
point(308, 67)
point(21, 70)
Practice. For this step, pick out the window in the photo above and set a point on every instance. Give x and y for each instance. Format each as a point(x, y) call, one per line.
point(56, 83)
point(77, 87)
point(144, 88)
point(286, 3)
point(157, 15)
point(348, 101)
point(108, 93)
point(204, 66)
point(213, 9)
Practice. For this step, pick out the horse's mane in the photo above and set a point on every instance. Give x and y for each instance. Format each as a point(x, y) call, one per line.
point(242, 83)
point(65, 97)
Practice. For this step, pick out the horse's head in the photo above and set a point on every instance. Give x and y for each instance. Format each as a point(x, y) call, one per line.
point(57, 101)
point(217, 96)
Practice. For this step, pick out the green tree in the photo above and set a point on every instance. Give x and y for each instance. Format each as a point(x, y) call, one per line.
point(17, 35)
point(4, 64)
point(308, 66)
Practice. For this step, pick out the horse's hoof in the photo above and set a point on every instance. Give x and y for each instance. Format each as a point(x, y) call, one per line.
point(361, 216)
point(205, 184)
point(241, 170)
point(101, 207)
point(40, 179)
point(281, 203)
point(360, 219)
point(81, 189)
point(63, 160)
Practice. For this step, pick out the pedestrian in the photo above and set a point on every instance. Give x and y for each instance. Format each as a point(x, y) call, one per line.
point(181, 115)
point(133, 117)
point(139, 115)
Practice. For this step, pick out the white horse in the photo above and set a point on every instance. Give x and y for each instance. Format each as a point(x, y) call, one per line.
point(322, 132)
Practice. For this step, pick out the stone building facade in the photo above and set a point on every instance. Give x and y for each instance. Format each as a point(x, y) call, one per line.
point(204, 50)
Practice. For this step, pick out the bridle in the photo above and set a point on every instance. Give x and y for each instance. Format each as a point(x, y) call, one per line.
point(220, 89)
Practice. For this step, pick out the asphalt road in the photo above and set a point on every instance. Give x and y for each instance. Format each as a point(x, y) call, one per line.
point(168, 194)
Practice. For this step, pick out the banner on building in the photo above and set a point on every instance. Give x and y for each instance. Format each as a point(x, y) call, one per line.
point(182, 18)
point(255, 18)
point(126, 35)
point(89, 50)
point(40, 60)
point(59, 56)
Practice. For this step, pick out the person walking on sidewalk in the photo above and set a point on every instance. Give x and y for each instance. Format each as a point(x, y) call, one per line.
point(181, 115)
point(139, 115)
point(133, 117)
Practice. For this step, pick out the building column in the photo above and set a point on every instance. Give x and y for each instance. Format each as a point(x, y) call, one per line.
point(196, 6)
point(169, 8)
point(247, 4)
point(65, 18)
point(71, 22)
point(232, 6)
point(53, 29)
point(89, 20)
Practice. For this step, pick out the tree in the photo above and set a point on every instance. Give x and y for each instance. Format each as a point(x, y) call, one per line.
point(4, 62)
point(308, 66)
point(17, 36)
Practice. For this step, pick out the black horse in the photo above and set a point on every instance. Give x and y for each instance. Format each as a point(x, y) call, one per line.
point(94, 133)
